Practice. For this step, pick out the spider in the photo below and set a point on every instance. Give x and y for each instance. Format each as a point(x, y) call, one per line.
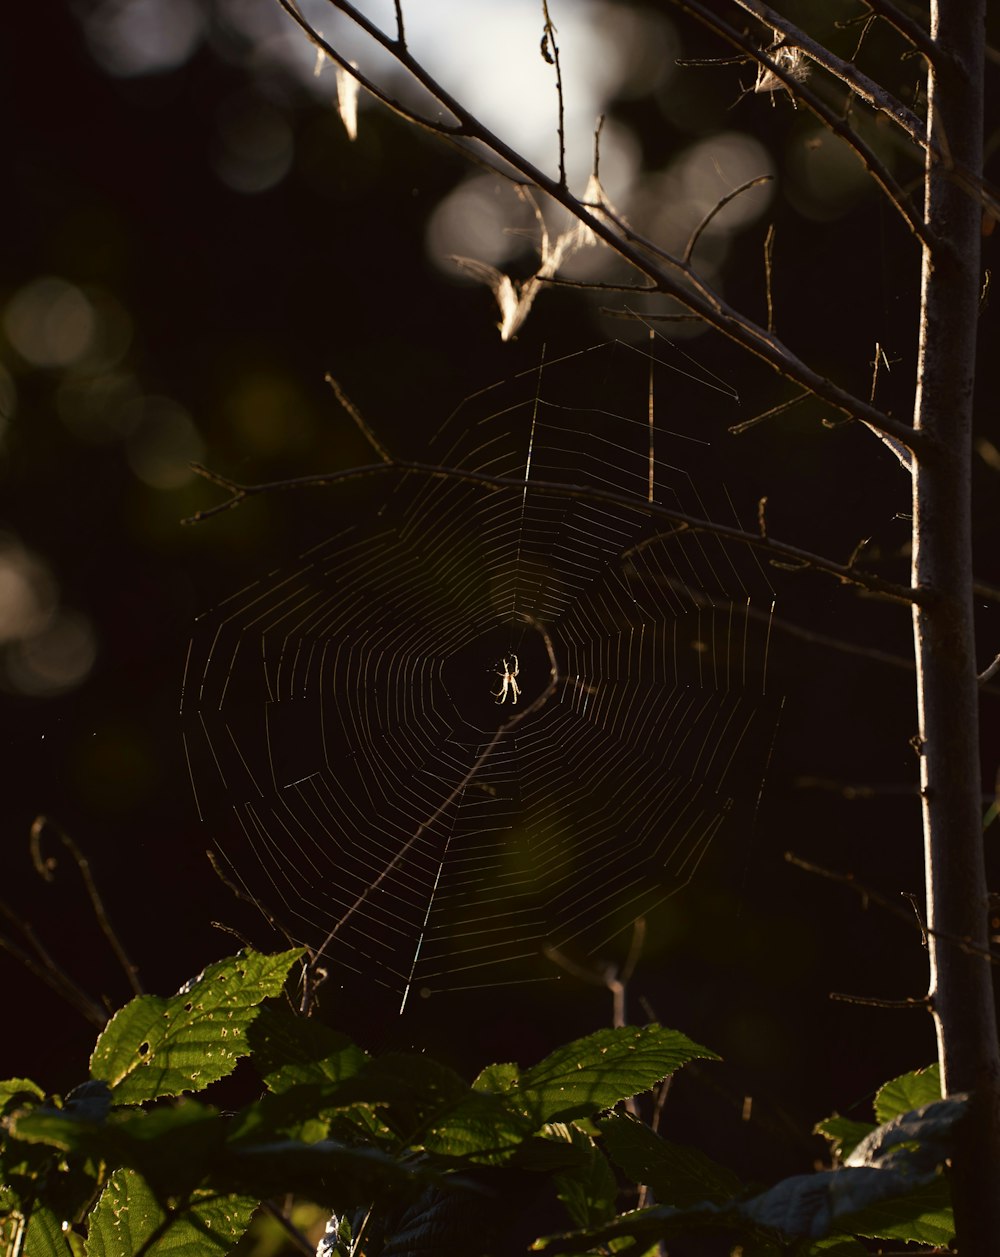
point(508, 682)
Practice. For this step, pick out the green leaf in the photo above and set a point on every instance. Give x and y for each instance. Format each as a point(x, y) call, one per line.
point(128, 1217)
point(15, 1093)
point(500, 1077)
point(844, 1135)
point(676, 1175)
point(327, 1173)
point(594, 1073)
point(833, 1246)
point(157, 1047)
point(908, 1091)
point(482, 1127)
point(923, 1216)
point(588, 1190)
point(289, 1050)
point(44, 1235)
point(171, 1147)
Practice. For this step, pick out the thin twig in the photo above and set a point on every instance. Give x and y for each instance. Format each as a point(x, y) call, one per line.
point(860, 84)
point(45, 869)
point(737, 429)
point(39, 962)
point(781, 552)
point(400, 28)
point(873, 896)
point(989, 673)
point(872, 1001)
point(768, 272)
point(894, 193)
point(359, 419)
point(292, 1232)
point(699, 299)
point(719, 205)
point(866, 89)
point(550, 51)
point(907, 27)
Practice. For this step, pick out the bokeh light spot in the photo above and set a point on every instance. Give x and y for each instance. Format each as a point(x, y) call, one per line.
point(128, 38)
point(56, 659)
point(254, 144)
point(50, 323)
point(162, 443)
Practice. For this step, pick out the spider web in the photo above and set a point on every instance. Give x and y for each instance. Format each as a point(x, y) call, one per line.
point(343, 721)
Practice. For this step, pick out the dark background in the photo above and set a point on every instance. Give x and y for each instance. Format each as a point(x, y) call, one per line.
point(238, 305)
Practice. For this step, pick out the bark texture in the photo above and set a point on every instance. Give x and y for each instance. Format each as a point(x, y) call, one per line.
point(961, 981)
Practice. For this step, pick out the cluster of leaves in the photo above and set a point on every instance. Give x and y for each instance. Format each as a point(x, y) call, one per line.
point(407, 1156)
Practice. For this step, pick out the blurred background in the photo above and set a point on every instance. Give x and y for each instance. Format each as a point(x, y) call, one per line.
point(194, 240)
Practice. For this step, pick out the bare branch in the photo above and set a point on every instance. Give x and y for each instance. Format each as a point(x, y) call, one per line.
point(359, 419)
point(688, 289)
point(873, 896)
point(39, 962)
point(907, 27)
point(871, 161)
point(781, 552)
point(46, 869)
point(989, 673)
point(737, 429)
point(721, 204)
point(859, 83)
point(550, 51)
point(872, 1001)
point(768, 272)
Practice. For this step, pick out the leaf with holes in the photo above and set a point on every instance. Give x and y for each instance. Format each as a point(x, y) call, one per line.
point(157, 1047)
point(128, 1219)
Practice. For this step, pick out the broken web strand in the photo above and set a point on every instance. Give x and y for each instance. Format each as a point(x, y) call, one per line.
point(399, 826)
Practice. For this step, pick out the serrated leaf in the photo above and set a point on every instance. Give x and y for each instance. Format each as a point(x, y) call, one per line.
point(676, 1175)
point(128, 1217)
point(643, 1229)
point(481, 1127)
point(43, 1236)
point(595, 1073)
point(501, 1077)
point(843, 1133)
point(588, 1190)
point(289, 1050)
point(410, 1093)
point(907, 1092)
point(922, 1216)
point(157, 1047)
point(16, 1092)
point(834, 1246)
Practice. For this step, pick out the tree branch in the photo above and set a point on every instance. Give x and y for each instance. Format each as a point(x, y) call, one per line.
point(859, 83)
point(781, 552)
point(965, 945)
point(873, 164)
point(907, 27)
point(702, 301)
